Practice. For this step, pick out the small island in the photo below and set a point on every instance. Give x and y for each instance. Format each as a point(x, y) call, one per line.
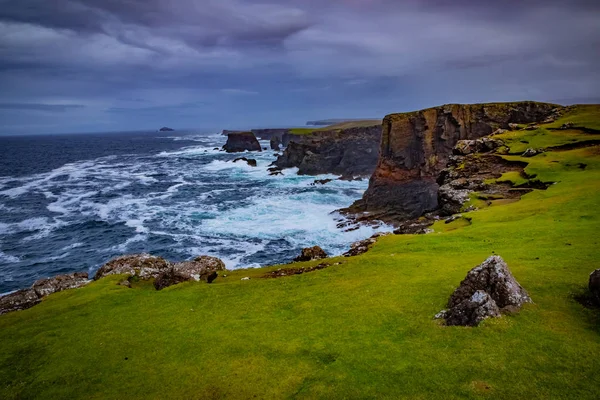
point(165, 129)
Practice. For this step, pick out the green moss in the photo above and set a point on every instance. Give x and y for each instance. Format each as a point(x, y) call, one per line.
point(362, 329)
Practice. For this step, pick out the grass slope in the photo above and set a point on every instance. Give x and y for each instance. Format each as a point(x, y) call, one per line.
point(363, 329)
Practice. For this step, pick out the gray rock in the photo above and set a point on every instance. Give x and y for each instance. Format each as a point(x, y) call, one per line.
point(311, 253)
point(143, 266)
point(360, 247)
point(481, 145)
point(473, 310)
point(44, 287)
point(531, 152)
point(594, 285)
point(203, 268)
point(19, 300)
point(503, 293)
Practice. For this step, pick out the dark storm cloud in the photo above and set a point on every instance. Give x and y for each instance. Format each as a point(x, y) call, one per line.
point(270, 61)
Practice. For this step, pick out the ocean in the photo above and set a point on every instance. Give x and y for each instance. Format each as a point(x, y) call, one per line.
point(71, 202)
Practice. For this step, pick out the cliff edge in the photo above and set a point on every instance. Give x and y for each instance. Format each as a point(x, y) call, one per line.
point(416, 146)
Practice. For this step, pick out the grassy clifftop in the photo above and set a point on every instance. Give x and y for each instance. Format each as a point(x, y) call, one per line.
point(361, 329)
point(337, 127)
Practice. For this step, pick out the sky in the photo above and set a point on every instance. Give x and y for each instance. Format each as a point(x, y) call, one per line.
point(112, 65)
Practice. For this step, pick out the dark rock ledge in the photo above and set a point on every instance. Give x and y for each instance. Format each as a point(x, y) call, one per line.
point(136, 266)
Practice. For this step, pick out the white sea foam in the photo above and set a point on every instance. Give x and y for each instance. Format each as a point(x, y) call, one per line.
point(7, 258)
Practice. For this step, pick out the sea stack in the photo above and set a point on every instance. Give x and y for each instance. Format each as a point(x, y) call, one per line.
point(241, 141)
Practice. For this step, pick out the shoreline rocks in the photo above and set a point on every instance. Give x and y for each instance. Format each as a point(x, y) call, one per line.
point(311, 253)
point(27, 298)
point(203, 268)
point(144, 266)
point(238, 142)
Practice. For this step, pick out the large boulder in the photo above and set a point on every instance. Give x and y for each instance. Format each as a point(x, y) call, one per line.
point(44, 287)
point(493, 278)
point(143, 266)
point(594, 285)
point(19, 300)
point(203, 268)
point(311, 253)
point(241, 141)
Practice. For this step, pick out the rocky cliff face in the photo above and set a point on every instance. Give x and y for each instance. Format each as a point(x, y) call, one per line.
point(416, 146)
point(241, 141)
point(349, 152)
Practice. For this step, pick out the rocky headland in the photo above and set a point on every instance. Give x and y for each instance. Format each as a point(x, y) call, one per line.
point(417, 146)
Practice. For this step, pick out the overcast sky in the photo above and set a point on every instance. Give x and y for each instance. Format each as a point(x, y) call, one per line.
point(105, 65)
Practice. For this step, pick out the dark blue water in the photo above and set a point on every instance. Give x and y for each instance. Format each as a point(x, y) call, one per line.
point(71, 202)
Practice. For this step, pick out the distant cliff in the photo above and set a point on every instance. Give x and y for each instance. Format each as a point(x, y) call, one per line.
point(415, 148)
point(351, 152)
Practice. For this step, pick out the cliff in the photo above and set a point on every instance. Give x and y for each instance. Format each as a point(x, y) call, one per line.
point(416, 146)
point(241, 141)
point(349, 152)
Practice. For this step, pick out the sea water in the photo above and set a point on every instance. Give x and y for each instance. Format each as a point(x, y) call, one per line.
point(71, 202)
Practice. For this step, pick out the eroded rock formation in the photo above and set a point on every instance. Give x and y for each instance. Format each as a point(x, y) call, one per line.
point(416, 147)
point(349, 152)
point(241, 141)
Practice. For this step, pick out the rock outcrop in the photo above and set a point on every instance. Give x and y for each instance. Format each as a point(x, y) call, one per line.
point(144, 266)
point(351, 152)
point(19, 300)
point(27, 298)
point(45, 287)
point(241, 141)
point(250, 161)
point(416, 146)
point(203, 268)
point(488, 290)
point(311, 253)
point(594, 286)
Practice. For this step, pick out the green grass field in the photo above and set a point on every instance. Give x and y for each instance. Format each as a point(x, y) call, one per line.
point(360, 330)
